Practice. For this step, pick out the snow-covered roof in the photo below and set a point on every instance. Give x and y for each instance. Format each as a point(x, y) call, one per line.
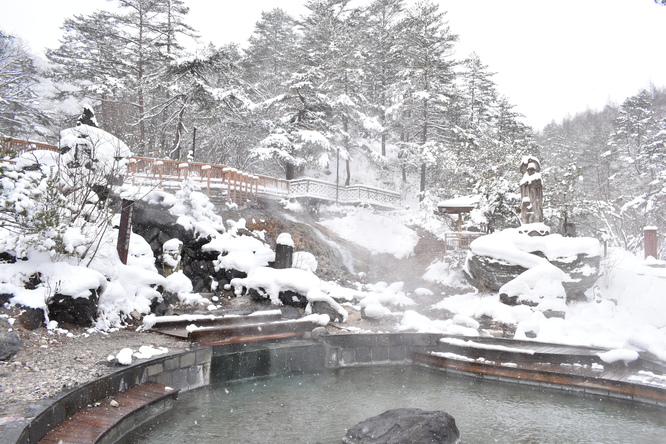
point(459, 204)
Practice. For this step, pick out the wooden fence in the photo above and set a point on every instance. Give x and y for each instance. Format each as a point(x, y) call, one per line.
point(230, 183)
point(16, 148)
point(460, 240)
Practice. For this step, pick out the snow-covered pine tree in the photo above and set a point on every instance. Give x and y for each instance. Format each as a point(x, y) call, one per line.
point(382, 60)
point(330, 46)
point(19, 75)
point(427, 86)
point(270, 57)
point(87, 66)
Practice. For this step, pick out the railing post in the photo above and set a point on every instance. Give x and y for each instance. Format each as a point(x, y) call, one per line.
point(160, 169)
point(183, 167)
point(208, 169)
point(650, 241)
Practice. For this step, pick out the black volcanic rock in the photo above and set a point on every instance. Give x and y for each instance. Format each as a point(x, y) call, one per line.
point(405, 426)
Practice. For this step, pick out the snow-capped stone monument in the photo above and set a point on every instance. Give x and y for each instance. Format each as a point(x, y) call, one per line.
point(528, 265)
point(531, 191)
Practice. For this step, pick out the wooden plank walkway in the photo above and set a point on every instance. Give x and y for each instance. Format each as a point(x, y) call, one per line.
point(176, 326)
point(92, 423)
point(235, 329)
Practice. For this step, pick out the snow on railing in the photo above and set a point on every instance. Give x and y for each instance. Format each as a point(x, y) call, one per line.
point(353, 194)
point(16, 147)
point(235, 185)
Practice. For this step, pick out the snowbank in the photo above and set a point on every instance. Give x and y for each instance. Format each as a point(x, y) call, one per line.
point(269, 282)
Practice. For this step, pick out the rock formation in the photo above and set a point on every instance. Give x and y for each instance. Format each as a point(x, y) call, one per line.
point(405, 426)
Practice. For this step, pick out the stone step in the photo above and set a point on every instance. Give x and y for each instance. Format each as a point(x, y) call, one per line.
point(114, 416)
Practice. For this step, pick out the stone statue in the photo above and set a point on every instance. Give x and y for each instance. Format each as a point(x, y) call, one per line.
point(531, 191)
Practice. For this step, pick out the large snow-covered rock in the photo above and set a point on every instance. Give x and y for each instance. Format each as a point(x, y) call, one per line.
point(531, 269)
point(93, 148)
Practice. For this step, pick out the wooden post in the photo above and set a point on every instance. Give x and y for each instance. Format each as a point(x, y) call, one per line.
point(650, 241)
point(125, 230)
point(284, 251)
point(208, 169)
point(184, 168)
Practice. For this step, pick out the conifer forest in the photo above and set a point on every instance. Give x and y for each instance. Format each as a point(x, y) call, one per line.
point(381, 82)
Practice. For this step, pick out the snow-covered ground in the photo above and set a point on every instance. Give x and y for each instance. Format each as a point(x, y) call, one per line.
point(626, 309)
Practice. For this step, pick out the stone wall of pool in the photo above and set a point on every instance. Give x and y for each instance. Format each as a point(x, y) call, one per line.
point(245, 361)
point(202, 366)
point(186, 370)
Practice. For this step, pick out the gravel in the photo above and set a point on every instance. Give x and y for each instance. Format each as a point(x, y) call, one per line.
point(51, 361)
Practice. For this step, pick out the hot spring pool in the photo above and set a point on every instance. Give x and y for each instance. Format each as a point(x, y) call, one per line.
point(318, 408)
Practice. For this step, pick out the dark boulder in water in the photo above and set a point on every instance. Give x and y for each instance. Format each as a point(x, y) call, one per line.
point(405, 426)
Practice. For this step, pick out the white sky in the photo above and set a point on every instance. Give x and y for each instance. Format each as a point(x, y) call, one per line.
point(552, 58)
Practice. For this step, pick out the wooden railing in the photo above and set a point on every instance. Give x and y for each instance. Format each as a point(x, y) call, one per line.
point(235, 185)
point(460, 240)
point(16, 148)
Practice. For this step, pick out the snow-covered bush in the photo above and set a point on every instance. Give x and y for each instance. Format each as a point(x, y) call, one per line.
point(195, 211)
point(32, 210)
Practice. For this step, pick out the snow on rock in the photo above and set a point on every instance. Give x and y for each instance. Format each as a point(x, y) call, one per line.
point(196, 212)
point(443, 273)
point(380, 295)
point(55, 277)
point(305, 261)
point(285, 239)
point(86, 143)
point(140, 254)
point(515, 248)
point(466, 321)
point(124, 356)
point(238, 251)
point(375, 310)
point(627, 311)
point(543, 280)
point(423, 292)
point(179, 284)
point(269, 282)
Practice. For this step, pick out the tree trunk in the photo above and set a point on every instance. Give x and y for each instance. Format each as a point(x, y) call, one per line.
point(290, 171)
point(423, 182)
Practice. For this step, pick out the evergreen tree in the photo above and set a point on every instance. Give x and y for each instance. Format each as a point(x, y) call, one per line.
point(330, 47)
point(87, 66)
point(114, 61)
point(383, 59)
point(427, 87)
point(19, 116)
point(270, 57)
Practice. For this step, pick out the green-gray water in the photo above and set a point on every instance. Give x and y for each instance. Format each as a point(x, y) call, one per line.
point(319, 408)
